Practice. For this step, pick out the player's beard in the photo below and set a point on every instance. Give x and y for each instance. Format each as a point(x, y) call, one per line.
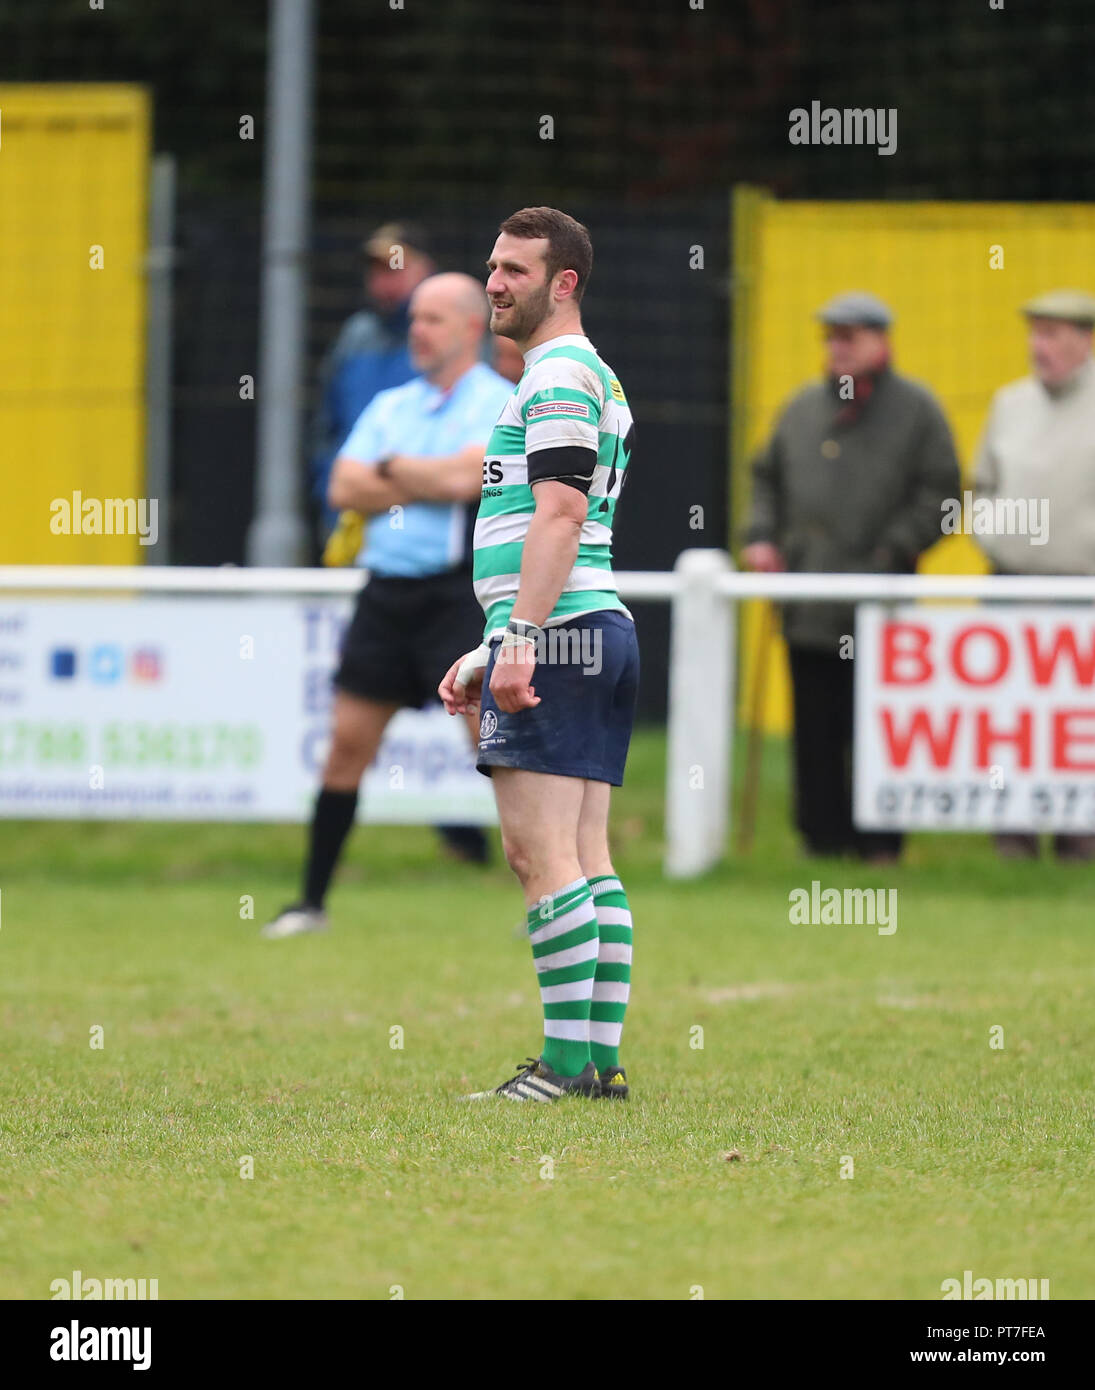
point(524, 319)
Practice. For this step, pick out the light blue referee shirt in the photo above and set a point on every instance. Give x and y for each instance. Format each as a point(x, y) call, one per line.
point(420, 419)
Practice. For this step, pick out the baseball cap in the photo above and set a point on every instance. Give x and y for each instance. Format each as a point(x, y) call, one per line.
point(379, 243)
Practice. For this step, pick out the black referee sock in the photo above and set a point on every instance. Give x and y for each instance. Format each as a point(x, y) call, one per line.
point(331, 822)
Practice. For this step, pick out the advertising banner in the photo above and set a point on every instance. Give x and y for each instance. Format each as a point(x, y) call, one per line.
point(202, 708)
point(975, 718)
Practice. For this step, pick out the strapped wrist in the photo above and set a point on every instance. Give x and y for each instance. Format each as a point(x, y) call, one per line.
point(520, 637)
point(521, 628)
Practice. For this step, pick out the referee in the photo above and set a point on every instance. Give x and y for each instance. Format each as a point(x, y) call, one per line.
point(412, 464)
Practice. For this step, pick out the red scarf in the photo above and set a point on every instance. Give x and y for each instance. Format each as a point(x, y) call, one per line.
point(863, 388)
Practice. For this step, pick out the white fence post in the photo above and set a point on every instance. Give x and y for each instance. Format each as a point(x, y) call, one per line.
point(701, 715)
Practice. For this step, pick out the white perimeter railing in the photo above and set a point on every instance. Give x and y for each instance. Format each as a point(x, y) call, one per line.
point(704, 591)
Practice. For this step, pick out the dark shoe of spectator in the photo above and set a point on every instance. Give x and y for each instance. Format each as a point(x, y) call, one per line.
point(1074, 849)
point(467, 843)
point(881, 848)
point(1016, 846)
point(826, 849)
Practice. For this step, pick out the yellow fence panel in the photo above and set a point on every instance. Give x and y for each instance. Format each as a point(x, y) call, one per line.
point(73, 193)
point(958, 327)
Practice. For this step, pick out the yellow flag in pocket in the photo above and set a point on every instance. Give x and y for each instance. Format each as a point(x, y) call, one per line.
point(344, 542)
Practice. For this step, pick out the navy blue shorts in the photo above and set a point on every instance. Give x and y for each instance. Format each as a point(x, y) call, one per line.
point(587, 677)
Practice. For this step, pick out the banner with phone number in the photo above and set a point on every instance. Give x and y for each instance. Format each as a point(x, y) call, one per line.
point(202, 708)
point(975, 718)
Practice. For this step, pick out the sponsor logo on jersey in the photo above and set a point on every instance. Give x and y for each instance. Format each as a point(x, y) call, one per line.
point(557, 408)
point(617, 391)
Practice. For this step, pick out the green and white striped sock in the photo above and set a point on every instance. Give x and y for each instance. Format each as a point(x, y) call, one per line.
point(563, 932)
point(612, 979)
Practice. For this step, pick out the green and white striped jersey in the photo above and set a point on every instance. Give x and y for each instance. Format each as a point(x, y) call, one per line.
point(566, 398)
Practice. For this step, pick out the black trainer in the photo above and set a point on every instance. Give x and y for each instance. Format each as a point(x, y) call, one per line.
point(613, 1084)
point(536, 1081)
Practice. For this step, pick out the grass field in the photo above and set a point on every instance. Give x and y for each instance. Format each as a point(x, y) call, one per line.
point(819, 1042)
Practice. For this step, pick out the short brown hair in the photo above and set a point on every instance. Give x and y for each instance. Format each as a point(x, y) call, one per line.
point(569, 245)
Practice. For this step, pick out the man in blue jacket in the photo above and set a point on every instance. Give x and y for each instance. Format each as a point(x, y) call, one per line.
point(370, 353)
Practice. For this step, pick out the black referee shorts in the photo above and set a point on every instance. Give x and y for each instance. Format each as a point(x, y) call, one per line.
point(406, 633)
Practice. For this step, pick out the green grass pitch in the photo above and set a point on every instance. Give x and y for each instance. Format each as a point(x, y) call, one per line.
point(820, 1044)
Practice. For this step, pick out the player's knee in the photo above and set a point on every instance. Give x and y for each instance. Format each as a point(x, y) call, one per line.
point(592, 846)
point(518, 857)
point(595, 862)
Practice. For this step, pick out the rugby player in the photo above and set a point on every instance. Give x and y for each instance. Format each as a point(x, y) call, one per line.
point(555, 678)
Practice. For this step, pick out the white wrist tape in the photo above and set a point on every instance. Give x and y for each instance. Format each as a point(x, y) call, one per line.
point(519, 634)
point(474, 661)
point(511, 641)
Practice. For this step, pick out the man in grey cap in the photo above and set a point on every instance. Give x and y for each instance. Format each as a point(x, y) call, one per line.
point(852, 480)
point(1038, 448)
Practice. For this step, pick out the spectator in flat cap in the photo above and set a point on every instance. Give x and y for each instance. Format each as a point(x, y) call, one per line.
point(1039, 445)
point(852, 480)
point(370, 353)
point(856, 308)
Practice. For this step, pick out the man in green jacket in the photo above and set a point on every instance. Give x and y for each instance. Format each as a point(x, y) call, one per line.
point(853, 480)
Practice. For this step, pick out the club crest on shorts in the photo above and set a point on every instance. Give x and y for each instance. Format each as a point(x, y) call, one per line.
point(488, 724)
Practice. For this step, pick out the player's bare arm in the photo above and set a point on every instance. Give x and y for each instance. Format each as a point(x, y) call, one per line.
point(551, 548)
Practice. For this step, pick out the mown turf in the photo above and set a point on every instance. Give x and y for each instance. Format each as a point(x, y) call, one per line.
point(819, 1044)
